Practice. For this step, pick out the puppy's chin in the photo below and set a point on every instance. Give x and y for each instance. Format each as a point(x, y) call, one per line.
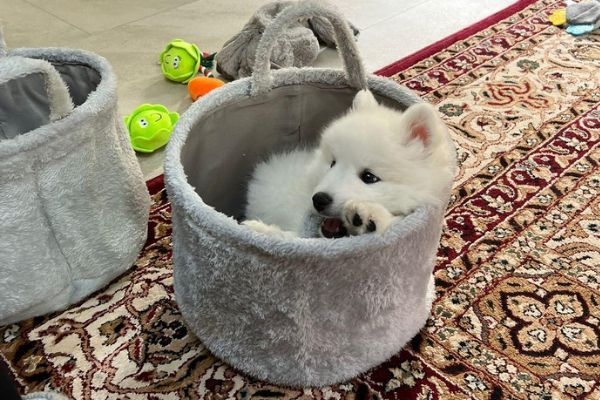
point(333, 228)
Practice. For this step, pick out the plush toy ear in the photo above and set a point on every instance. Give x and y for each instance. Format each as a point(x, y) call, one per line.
point(364, 100)
point(422, 123)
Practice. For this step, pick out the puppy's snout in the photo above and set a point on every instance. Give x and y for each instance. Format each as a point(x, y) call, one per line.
point(321, 200)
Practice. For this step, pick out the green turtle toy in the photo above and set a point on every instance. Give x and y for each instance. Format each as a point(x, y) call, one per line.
point(150, 127)
point(180, 61)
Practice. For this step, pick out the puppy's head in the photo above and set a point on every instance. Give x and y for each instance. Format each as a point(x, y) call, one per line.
point(375, 154)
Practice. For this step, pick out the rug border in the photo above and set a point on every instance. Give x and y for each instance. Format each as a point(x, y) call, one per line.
point(430, 50)
point(155, 184)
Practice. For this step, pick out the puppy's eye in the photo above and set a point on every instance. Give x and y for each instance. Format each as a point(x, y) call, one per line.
point(368, 177)
point(332, 164)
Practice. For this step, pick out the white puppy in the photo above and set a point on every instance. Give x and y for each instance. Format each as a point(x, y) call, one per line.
point(372, 165)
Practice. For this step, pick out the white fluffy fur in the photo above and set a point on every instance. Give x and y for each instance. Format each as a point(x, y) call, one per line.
point(409, 152)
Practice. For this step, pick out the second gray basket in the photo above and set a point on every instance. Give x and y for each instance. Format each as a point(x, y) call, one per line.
point(73, 203)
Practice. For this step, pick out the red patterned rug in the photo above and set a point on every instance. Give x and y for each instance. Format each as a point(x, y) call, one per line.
point(517, 314)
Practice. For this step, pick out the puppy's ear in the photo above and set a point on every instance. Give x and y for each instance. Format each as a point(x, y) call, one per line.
point(422, 123)
point(364, 100)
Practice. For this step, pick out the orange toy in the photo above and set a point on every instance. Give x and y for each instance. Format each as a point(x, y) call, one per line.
point(201, 85)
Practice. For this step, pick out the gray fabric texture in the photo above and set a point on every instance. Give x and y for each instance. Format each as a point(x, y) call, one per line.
point(302, 311)
point(74, 205)
point(584, 13)
point(297, 46)
point(32, 94)
point(300, 10)
point(20, 112)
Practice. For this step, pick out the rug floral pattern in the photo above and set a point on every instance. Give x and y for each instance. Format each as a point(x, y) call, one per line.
point(517, 314)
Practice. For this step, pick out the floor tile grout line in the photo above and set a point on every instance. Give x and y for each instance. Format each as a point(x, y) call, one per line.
point(162, 10)
point(387, 18)
point(57, 17)
point(112, 27)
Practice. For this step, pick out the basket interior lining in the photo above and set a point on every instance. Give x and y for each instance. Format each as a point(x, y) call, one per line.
point(81, 80)
point(224, 146)
point(24, 103)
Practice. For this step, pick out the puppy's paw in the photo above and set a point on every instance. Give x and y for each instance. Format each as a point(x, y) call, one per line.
point(261, 227)
point(365, 217)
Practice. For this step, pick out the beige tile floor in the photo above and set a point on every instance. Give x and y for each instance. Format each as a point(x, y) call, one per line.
point(131, 34)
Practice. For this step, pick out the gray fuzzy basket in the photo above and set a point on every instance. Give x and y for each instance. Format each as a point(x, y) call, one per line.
point(73, 202)
point(298, 312)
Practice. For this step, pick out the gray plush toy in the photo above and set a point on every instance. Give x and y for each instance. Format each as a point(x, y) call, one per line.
point(297, 47)
point(583, 17)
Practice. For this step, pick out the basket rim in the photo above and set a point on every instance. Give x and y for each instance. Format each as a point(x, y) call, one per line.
point(186, 201)
point(99, 101)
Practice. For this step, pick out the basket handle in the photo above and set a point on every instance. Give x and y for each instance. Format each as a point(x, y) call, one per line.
point(355, 71)
point(59, 99)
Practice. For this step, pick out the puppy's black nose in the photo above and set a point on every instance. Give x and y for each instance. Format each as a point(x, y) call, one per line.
point(321, 200)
